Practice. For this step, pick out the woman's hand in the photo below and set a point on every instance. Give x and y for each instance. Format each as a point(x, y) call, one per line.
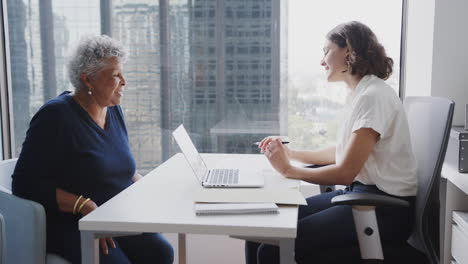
point(277, 154)
point(264, 143)
point(103, 242)
point(136, 177)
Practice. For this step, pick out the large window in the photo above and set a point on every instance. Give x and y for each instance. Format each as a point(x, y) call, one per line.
point(40, 34)
point(313, 104)
point(232, 71)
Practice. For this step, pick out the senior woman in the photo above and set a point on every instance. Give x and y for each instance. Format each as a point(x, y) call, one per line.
point(76, 156)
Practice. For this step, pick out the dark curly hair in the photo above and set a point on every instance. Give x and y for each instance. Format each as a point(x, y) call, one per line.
point(368, 55)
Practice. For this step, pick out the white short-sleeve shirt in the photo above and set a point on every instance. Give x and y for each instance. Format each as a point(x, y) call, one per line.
point(391, 166)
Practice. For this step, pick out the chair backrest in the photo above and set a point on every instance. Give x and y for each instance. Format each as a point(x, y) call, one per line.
point(6, 170)
point(430, 120)
point(25, 230)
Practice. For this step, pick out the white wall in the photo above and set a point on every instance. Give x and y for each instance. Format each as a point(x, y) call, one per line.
point(437, 52)
point(450, 55)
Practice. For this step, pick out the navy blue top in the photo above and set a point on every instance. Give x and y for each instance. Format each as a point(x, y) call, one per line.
point(65, 148)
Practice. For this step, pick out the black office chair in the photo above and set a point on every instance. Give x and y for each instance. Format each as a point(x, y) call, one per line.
point(430, 120)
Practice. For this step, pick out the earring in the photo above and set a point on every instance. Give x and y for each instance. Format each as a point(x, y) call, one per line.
point(90, 92)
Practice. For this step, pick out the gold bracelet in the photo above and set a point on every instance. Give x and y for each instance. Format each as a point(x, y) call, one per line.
point(76, 203)
point(82, 204)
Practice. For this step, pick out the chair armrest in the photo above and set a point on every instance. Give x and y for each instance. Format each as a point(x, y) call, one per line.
point(367, 199)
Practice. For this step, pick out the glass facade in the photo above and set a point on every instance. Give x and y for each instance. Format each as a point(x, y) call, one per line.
point(232, 71)
point(136, 25)
point(37, 53)
point(235, 84)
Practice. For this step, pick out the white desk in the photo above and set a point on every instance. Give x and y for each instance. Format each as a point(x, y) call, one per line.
point(454, 197)
point(162, 202)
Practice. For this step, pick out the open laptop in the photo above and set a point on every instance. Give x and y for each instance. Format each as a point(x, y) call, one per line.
point(219, 177)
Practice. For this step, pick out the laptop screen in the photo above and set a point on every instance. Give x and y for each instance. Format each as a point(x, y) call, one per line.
point(190, 152)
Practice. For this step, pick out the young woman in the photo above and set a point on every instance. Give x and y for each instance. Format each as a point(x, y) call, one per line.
point(372, 155)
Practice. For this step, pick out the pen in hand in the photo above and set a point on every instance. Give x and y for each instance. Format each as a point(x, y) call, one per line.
point(282, 142)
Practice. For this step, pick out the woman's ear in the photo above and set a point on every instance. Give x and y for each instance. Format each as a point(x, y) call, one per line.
point(349, 48)
point(85, 79)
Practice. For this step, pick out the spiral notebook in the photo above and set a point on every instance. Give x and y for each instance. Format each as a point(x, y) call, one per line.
point(235, 208)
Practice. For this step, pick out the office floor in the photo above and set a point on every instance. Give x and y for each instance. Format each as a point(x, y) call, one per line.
point(207, 249)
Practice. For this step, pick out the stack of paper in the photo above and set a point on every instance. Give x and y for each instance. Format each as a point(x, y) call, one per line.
point(253, 195)
point(235, 208)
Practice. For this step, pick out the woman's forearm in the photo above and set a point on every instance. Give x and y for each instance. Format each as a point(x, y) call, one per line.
point(65, 200)
point(69, 203)
point(328, 175)
point(320, 157)
point(360, 145)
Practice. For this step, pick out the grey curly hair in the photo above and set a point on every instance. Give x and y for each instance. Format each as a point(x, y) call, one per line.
point(89, 56)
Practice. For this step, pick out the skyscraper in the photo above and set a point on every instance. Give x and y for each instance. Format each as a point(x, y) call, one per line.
point(135, 25)
point(19, 67)
point(26, 64)
point(156, 73)
point(61, 39)
point(235, 58)
point(37, 53)
point(177, 90)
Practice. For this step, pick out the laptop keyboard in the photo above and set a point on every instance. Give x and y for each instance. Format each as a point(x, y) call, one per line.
point(223, 176)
